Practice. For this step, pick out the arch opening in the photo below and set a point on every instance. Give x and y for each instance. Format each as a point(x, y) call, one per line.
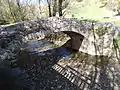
point(68, 39)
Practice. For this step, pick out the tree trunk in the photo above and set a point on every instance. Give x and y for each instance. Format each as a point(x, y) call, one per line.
point(39, 9)
point(22, 17)
point(60, 7)
point(54, 7)
point(11, 12)
point(49, 8)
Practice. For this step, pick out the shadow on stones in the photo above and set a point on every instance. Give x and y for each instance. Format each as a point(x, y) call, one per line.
point(104, 80)
point(47, 74)
point(40, 69)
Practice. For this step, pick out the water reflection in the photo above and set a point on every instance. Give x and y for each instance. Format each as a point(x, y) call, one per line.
point(42, 48)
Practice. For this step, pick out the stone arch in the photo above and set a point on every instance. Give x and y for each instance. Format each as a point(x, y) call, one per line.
point(17, 33)
point(76, 39)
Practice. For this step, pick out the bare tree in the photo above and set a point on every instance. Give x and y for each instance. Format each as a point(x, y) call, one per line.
point(12, 14)
point(20, 11)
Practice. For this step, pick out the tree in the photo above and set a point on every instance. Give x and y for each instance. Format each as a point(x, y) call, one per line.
point(118, 7)
point(60, 7)
point(49, 7)
point(113, 5)
point(54, 7)
point(12, 11)
point(21, 11)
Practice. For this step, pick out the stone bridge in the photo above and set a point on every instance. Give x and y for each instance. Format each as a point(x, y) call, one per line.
point(84, 36)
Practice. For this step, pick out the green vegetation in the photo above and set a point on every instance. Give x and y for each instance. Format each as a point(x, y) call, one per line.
point(117, 23)
point(91, 10)
point(11, 12)
point(99, 10)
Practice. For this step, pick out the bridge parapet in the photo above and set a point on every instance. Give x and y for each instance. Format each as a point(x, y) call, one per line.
point(56, 25)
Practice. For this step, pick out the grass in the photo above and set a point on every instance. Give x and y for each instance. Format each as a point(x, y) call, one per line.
point(117, 23)
point(90, 11)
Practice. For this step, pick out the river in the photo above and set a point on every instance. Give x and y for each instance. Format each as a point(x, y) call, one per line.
point(46, 66)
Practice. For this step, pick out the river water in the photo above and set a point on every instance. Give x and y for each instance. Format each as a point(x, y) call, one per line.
point(46, 66)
